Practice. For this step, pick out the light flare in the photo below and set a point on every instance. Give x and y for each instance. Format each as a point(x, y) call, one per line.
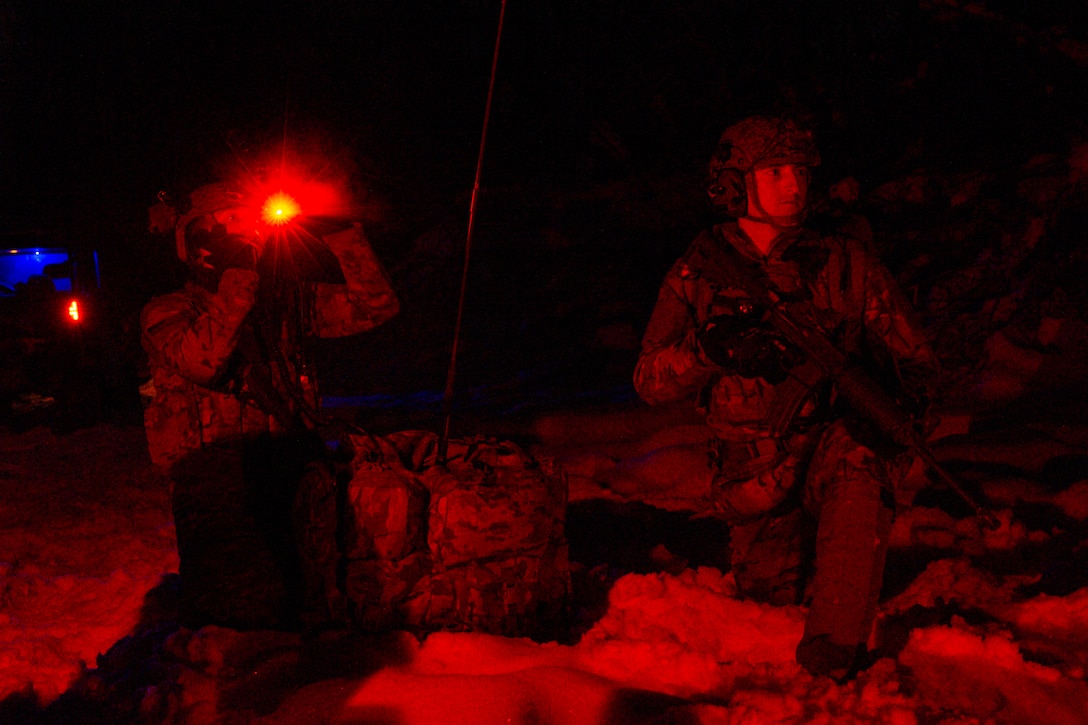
point(279, 209)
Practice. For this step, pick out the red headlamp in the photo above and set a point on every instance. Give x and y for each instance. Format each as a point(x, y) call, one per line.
point(279, 209)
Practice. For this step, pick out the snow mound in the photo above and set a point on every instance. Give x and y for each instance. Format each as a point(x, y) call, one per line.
point(986, 676)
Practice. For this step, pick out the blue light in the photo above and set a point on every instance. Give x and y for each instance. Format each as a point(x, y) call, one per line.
point(20, 265)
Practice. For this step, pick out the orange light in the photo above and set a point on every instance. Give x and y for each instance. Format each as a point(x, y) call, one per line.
point(73, 310)
point(279, 209)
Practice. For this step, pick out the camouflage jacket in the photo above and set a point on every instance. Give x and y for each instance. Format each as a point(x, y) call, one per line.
point(203, 393)
point(854, 297)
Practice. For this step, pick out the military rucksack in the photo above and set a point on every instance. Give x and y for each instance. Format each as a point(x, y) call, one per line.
point(475, 544)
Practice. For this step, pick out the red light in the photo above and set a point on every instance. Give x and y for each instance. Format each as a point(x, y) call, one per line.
point(279, 209)
point(73, 310)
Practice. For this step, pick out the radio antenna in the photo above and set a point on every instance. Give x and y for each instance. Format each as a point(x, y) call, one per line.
point(451, 373)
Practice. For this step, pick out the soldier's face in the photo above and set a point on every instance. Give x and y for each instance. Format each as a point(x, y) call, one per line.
point(780, 191)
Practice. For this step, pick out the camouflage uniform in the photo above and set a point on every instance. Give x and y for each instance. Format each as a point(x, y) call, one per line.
point(204, 393)
point(781, 450)
point(231, 415)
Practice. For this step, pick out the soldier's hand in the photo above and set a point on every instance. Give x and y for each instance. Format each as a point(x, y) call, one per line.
point(916, 404)
point(764, 354)
point(238, 289)
point(240, 254)
point(217, 249)
point(717, 338)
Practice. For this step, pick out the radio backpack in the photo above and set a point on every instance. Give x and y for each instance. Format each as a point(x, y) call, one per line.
point(475, 544)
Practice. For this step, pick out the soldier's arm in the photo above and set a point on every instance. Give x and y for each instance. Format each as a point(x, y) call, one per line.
point(892, 326)
point(366, 300)
point(670, 366)
point(194, 342)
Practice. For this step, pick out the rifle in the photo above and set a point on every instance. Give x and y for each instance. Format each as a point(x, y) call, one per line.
point(861, 392)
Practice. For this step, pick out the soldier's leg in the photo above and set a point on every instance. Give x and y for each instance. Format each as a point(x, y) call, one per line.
point(768, 529)
point(850, 490)
point(316, 518)
point(274, 466)
point(767, 558)
point(228, 575)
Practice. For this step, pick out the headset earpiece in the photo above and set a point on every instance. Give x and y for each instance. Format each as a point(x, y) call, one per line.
point(728, 192)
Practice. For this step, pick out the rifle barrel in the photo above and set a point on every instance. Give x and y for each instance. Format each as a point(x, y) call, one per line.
point(985, 516)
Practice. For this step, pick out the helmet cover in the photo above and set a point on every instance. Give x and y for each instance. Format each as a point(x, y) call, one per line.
point(754, 143)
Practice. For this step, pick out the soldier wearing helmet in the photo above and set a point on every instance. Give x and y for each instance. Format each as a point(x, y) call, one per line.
point(233, 405)
point(790, 470)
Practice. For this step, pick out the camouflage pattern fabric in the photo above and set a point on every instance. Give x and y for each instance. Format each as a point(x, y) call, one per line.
point(388, 504)
point(192, 337)
point(496, 537)
point(316, 519)
point(225, 417)
point(386, 594)
point(767, 557)
point(760, 141)
point(850, 491)
point(824, 464)
point(490, 501)
point(383, 528)
point(859, 304)
point(486, 551)
point(514, 596)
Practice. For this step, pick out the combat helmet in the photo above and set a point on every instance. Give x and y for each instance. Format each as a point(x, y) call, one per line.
point(203, 201)
point(755, 142)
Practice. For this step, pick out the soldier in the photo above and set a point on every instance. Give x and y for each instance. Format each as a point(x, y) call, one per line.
point(801, 480)
point(233, 407)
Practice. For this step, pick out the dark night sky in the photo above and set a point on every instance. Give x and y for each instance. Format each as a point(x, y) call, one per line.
point(104, 103)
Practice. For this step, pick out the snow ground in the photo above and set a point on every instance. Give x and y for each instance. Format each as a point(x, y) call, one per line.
point(975, 626)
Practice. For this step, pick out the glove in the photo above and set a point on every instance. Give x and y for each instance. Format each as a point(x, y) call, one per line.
point(915, 402)
point(760, 353)
point(236, 252)
point(718, 336)
point(219, 250)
